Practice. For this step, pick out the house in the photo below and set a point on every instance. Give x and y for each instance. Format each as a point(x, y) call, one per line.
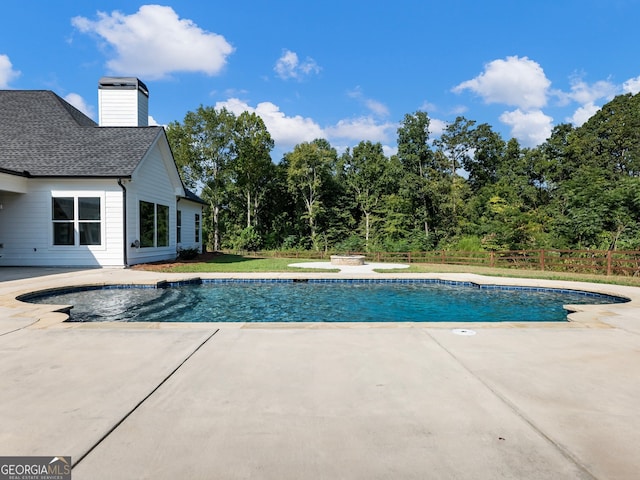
point(77, 193)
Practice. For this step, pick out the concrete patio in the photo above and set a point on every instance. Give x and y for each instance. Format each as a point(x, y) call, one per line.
point(292, 401)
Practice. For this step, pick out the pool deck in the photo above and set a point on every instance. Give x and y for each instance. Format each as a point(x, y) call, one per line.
point(312, 401)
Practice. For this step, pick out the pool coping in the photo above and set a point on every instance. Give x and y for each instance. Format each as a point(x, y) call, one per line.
point(19, 314)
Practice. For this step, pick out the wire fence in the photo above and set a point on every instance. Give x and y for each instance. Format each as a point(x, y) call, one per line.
point(602, 262)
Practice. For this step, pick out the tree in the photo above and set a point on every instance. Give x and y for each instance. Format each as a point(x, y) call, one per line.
point(366, 179)
point(308, 169)
point(251, 168)
point(611, 138)
point(423, 174)
point(202, 148)
point(456, 144)
point(593, 176)
point(488, 153)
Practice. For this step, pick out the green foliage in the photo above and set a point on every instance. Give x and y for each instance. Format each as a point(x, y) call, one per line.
point(202, 148)
point(368, 181)
point(467, 243)
point(248, 240)
point(309, 168)
point(354, 243)
point(467, 189)
point(188, 253)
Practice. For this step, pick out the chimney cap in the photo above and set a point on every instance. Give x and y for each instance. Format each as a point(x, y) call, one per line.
point(123, 83)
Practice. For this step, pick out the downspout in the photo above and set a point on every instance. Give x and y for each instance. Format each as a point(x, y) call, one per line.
point(176, 229)
point(203, 244)
point(124, 223)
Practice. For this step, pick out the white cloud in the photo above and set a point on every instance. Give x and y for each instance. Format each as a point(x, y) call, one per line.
point(154, 42)
point(436, 127)
point(152, 122)
point(584, 93)
point(289, 66)
point(374, 106)
point(389, 151)
point(285, 131)
point(288, 131)
point(7, 73)
point(583, 113)
point(79, 102)
point(632, 85)
point(530, 128)
point(458, 110)
point(363, 128)
point(515, 81)
point(428, 107)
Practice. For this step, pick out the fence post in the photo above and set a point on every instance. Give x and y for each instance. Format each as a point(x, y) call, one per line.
point(541, 259)
point(442, 257)
point(492, 259)
point(409, 258)
point(609, 262)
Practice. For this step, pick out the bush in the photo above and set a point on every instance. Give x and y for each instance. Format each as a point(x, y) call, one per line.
point(467, 243)
point(249, 240)
point(188, 253)
point(351, 244)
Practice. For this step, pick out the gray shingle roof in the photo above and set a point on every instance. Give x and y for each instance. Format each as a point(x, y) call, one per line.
point(44, 135)
point(189, 195)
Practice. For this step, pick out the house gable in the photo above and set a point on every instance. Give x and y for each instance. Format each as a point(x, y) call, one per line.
point(160, 150)
point(56, 165)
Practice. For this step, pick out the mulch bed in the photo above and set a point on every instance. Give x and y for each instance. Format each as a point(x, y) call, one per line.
point(165, 264)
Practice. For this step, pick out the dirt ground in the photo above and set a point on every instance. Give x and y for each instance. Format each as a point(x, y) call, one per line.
point(165, 264)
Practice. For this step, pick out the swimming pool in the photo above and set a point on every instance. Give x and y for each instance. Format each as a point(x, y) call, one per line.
point(320, 301)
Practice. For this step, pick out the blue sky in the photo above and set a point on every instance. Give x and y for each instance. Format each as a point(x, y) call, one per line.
point(342, 70)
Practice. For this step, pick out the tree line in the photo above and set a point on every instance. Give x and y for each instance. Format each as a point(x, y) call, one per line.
point(468, 189)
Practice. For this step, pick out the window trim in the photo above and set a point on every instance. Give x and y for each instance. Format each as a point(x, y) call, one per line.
point(163, 233)
point(156, 231)
point(89, 221)
point(76, 221)
point(178, 227)
point(142, 233)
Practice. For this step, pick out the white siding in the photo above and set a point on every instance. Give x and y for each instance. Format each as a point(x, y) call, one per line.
point(26, 229)
point(189, 210)
point(122, 108)
point(151, 183)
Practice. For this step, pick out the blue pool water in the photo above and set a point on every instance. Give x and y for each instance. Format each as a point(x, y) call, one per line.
point(321, 302)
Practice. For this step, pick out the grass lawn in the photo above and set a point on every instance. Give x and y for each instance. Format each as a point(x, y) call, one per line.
point(518, 273)
point(227, 263)
point(219, 263)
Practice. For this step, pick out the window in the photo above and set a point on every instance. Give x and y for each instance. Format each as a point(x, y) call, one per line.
point(63, 221)
point(197, 227)
point(147, 224)
point(162, 228)
point(179, 226)
point(89, 220)
point(154, 225)
point(76, 214)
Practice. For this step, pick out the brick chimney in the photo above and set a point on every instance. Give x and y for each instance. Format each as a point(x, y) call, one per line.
point(123, 102)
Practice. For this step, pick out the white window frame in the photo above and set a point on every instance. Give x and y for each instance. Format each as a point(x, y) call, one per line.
point(156, 223)
point(178, 227)
point(76, 219)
